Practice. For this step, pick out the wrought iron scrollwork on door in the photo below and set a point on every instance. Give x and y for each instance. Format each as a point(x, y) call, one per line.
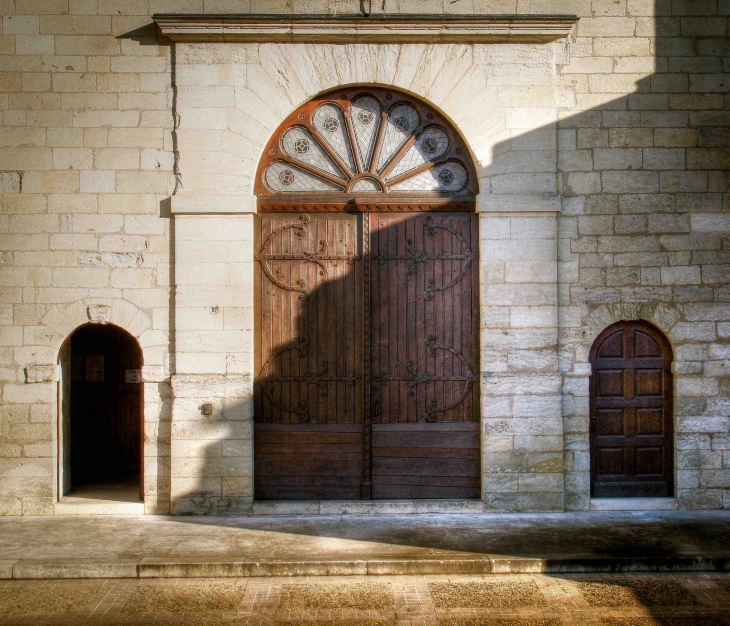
point(318, 377)
point(415, 378)
point(421, 256)
point(317, 257)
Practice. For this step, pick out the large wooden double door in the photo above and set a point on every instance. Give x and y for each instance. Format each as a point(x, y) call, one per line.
point(367, 356)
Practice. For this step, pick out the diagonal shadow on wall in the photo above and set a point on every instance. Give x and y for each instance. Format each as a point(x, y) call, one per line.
point(641, 176)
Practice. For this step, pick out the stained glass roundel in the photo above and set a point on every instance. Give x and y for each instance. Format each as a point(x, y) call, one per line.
point(369, 142)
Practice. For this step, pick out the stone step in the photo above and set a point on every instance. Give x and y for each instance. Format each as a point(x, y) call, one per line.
point(633, 504)
point(241, 567)
point(88, 506)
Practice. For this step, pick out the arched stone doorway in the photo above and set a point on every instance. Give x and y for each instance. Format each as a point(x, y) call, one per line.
point(631, 414)
point(367, 311)
point(101, 437)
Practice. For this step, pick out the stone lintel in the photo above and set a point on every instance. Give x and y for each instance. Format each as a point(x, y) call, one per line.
point(198, 204)
point(384, 28)
point(518, 203)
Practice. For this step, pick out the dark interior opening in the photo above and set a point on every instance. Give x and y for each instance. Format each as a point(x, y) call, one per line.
point(106, 408)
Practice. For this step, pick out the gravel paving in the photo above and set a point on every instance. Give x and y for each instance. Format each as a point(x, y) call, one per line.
point(195, 598)
point(504, 621)
point(444, 600)
point(685, 620)
point(324, 597)
point(48, 598)
point(486, 595)
point(349, 622)
point(636, 593)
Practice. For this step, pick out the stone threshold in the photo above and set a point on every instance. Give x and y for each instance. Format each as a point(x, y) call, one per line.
point(88, 506)
point(633, 504)
point(365, 507)
point(216, 567)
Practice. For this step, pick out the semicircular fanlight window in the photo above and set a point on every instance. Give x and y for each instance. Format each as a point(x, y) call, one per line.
point(403, 120)
point(366, 184)
point(301, 145)
point(429, 146)
point(449, 176)
point(366, 143)
point(329, 120)
point(365, 115)
point(283, 177)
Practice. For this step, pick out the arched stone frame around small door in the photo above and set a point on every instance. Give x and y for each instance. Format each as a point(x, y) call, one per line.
point(100, 410)
point(631, 412)
point(60, 322)
point(356, 164)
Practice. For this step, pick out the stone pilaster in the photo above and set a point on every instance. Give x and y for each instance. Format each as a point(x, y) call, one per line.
point(212, 415)
point(521, 386)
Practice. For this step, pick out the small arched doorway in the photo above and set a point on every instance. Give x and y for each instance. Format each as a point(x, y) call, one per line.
point(366, 297)
point(631, 415)
point(100, 443)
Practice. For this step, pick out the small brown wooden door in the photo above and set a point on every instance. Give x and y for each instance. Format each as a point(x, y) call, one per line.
point(631, 430)
point(366, 353)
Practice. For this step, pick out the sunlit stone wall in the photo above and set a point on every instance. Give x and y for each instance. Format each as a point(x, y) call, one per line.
point(604, 181)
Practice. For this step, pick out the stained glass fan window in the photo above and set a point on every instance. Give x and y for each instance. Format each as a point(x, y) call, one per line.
point(367, 142)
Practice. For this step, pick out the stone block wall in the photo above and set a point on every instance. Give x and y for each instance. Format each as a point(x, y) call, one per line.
point(603, 164)
point(643, 160)
point(86, 159)
point(212, 455)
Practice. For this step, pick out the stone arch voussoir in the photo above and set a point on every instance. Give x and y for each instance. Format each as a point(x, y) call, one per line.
point(662, 316)
point(60, 322)
point(451, 90)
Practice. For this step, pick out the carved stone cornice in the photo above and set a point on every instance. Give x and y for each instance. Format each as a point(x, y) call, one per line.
point(382, 28)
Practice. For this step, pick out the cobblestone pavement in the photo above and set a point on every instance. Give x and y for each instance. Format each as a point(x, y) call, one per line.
point(512, 600)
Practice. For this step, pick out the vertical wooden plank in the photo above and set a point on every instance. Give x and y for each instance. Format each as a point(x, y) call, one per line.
point(366, 335)
point(392, 307)
point(398, 227)
point(420, 274)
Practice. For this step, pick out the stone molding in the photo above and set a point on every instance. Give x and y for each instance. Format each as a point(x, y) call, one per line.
point(199, 204)
point(383, 28)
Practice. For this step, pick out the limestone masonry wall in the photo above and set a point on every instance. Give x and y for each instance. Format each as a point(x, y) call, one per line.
point(604, 165)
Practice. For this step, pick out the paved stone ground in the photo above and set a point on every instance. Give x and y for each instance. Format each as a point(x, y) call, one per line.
point(515, 600)
point(357, 537)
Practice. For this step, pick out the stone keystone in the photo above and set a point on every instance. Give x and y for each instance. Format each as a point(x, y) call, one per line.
point(99, 313)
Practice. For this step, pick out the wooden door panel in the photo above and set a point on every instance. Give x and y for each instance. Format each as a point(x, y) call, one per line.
point(309, 389)
point(648, 382)
point(649, 422)
point(645, 346)
point(426, 460)
point(649, 461)
point(611, 383)
point(611, 422)
point(631, 413)
point(344, 301)
point(611, 461)
point(424, 320)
